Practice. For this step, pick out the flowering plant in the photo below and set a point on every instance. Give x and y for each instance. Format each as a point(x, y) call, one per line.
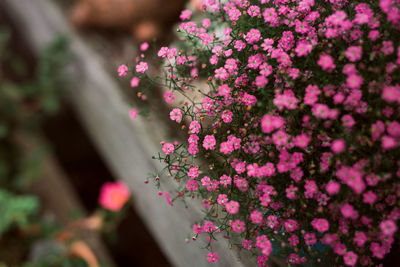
point(299, 126)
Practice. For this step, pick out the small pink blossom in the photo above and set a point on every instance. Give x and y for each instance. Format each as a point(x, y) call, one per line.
point(238, 226)
point(114, 195)
point(388, 227)
point(122, 70)
point(326, 62)
point(350, 258)
point(185, 14)
point(168, 148)
point(391, 94)
point(135, 82)
point(163, 52)
point(338, 146)
point(194, 127)
point(192, 185)
point(144, 46)
point(169, 97)
point(168, 198)
point(347, 211)
point(354, 53)
point(133, 113)
point(253, 36)
point(212, 257)
point(209, 142)
point(270, 123)
point(232, 207)
point(142, 67)
point(321, 225)
point(176, 115)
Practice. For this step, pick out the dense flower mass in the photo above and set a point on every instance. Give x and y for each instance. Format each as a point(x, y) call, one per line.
point(300, 129)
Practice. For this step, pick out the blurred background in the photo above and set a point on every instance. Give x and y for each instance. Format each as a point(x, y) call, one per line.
point(51, 168)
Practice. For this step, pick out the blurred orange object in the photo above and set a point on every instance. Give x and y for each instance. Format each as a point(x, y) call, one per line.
point(82, 250)
point(144, 18)
point(93, 222)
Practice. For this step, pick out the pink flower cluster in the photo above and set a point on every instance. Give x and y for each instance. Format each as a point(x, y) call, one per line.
point(299, 133)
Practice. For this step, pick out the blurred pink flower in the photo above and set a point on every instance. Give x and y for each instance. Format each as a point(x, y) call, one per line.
point(114, 195)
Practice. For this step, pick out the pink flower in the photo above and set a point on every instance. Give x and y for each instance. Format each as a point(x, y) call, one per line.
point(168, 198)
point(221, 74)
point(197, 229)
point(194, 127)
point(293, 240)
point(354, 53)
point(176, 115)
point(291, 192)
point(185, 14)
point(340, 248)
point(193, 172)
point(388, 142)
point(209, 227)
point(394, 129)
point(225, 180)
point(326, 62)
point(263, 243)
point(332, 187)
point(270, 123)
point(391, 94)
point(247, 244)
point(172, 53)
point(169, 97)
point(301, 140)
point(321, 111)
point(354, 81)
point(270, 15)
point(135, 82)
point(347, 121)
point(360, 238)
point(192, 185)
point(168, 148)
point(238, 226)
point(209, 142)
point(256, 217)
point(163, 52)
point(193, 149)
point(227, 116)
point(142, 67)
point(253, 11)
point(144, 46)
point(114, 195)
point(388, 227)
point(232, 207)
point(377, 250)
point(369, 197)
point(122, 70)
point(347, 210)
point(222, 199)
point(206, 22)
point(207, 103)
point(253, 36)
point(254, 61)
point(212, 257)
point(291, 225)
point(133, 113)
point(310, 239)
point(303, 48)
point(338, 146)
point(350, 258)
point(321, 225)
point(224, 90)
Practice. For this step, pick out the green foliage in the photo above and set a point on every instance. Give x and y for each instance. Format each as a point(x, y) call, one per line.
point(16, 209)
point(29, 90)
